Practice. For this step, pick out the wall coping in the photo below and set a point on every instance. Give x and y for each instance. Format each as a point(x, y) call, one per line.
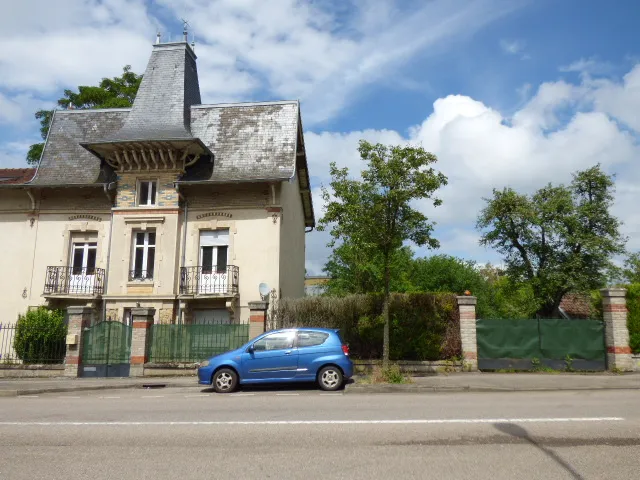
point(467, 300)
point(79, 310)
point(613, 292)
point(258, 305)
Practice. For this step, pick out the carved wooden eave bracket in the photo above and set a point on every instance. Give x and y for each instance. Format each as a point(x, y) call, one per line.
point(149, 155)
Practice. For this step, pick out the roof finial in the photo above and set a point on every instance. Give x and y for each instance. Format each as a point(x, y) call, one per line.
point(185, 31)
point(158, 35)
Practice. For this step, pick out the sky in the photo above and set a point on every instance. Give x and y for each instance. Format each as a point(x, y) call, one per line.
point(514, 93)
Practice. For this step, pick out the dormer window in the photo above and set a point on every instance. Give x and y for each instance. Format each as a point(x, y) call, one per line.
point(147, 191)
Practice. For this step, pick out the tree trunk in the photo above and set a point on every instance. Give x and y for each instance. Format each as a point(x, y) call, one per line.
point(385, 312)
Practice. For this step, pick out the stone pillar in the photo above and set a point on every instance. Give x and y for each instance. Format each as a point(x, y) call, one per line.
point(467, 308)
point(257, 318)
point(79, 319)
point(614, 311)
point(142, 319)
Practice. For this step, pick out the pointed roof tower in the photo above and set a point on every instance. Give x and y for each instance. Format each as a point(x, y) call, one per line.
point(157, 131)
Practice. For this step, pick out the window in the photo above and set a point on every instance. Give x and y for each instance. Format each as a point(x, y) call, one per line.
point(311, 339)
point(147, 190)
point(84, 258)
point(143, 256)
point(214, 250)
point(275, 341)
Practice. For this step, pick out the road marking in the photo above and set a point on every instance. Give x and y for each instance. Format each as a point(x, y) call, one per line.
point(242, 395)
point(332, 394)
point(109, 398)
point(287, 394)
point(29, 396)
point(196, 396)
point(65, 396)
point(152, 396)
point(435, 421)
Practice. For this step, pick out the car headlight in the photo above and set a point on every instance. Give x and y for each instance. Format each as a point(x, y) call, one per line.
point(205, 363)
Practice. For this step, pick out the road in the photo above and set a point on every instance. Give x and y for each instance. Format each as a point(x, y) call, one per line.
point(182, 433)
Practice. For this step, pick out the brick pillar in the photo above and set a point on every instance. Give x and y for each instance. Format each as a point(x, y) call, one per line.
point(467, 307)
point(79, 319)
point(257, 318)
point(614, 311)
point(142, 319)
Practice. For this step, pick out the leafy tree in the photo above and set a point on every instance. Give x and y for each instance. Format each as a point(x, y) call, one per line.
point(558, 240)
point(117, 92)
point(354, 270)
point(376, 214)
point(631, 271)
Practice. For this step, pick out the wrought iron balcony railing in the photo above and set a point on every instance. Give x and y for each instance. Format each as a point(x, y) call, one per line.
point(140, 275)
point(74, 281)
point(209, 280)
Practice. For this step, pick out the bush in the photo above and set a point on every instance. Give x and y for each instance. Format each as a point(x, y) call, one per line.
point(423, 326)
point(40, 336)
point(633, 319)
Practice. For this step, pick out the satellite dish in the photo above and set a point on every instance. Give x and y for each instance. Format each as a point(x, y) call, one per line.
point(264, 289)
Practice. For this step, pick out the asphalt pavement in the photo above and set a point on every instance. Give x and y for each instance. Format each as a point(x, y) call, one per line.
point(273, 433)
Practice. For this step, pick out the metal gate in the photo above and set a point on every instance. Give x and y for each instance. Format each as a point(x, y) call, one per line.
point(106, 349)
point(541, 343)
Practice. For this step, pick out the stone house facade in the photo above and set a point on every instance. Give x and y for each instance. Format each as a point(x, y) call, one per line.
point(172, 205)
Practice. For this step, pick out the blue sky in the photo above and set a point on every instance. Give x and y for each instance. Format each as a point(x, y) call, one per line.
point(505, 92)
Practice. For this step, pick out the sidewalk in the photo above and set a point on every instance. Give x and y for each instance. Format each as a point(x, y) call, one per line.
point(455, 382)
point(505, 382)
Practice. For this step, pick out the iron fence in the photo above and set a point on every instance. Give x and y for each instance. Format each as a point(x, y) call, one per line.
point(74, 280)
point(17, 348)
point(194, 343)
point(209, 280)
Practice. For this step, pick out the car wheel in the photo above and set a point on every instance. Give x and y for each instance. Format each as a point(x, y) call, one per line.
point(330, 378)
point(225, 380)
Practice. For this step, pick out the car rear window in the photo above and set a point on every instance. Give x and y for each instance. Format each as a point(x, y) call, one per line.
point(311, 339)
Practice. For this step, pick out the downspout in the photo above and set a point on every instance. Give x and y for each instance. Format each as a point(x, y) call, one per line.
point(107, 187)
point(184, 244)
point(35, 241)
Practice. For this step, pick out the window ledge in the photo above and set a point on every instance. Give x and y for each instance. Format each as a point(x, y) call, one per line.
point(134, 283)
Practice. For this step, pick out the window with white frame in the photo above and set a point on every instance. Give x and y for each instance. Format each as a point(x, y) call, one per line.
point(147, 192)
point(144, 254)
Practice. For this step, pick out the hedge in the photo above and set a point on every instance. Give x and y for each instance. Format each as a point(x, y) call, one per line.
point(40, 336)
point(633, 315)
point(424, 326)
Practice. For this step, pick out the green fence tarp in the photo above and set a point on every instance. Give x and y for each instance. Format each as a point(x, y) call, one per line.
point(508, 339)
point(544, 338)
point(106, 342)
point(579, 339)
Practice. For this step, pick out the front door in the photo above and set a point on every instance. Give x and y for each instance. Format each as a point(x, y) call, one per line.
point(83, 267)
point(214, 251)
point(273, 358)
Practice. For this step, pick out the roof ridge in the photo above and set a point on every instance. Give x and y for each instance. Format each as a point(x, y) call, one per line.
point(242, 104)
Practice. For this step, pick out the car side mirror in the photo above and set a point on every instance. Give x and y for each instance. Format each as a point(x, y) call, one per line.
point(251, 349)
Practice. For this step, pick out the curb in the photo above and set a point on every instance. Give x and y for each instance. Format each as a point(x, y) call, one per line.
point(84, 388)
point(368, 389)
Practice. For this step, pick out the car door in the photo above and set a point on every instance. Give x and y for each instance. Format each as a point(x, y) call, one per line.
point(273, 358)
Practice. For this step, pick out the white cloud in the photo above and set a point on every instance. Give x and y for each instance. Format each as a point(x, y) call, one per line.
point(479, 149)
point(588, 66)
point(512, 47)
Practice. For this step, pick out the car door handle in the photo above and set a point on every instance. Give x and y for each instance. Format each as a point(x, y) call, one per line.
point(288, 352)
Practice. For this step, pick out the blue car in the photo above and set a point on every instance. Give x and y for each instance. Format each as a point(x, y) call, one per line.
point(287, 355)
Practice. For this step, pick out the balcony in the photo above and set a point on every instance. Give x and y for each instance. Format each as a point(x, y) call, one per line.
point(209, 281)
point(73, 281)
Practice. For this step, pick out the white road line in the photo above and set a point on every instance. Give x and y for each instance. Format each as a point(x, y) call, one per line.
point(152, 396)
point(196, 396)
point(29, 396)
point(435, 421)
point(108, 398)
point(287, 394)
point(331, 394)
point(241, 395)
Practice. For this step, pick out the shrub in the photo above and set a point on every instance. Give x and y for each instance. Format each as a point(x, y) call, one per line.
point(40, 336)
point(633, 319)
point(423, 326)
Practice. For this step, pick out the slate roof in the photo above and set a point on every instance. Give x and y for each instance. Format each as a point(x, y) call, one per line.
point(64, 161)
point(251, 141)
point(15, 176)
point(161, 110)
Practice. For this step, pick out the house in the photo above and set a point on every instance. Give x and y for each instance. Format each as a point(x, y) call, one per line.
point(170, 204)
point(315, 285)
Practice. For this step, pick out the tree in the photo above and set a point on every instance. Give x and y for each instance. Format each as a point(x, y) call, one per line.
point(631, 271)
point(559, 240)
point(354, 270)
point(376, 214)
point(117, 92)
